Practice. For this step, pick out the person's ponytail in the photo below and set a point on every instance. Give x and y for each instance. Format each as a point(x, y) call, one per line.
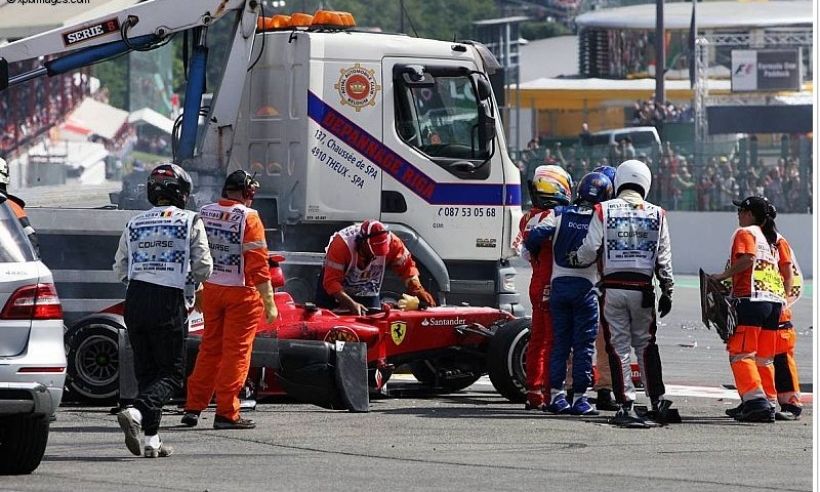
point(769, 229)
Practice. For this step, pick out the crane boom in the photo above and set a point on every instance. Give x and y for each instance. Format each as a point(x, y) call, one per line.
point(147, 26)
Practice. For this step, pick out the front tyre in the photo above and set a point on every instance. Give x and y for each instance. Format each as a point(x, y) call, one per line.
point(506, 359)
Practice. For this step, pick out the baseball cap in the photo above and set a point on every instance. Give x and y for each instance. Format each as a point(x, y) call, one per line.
point(758, 205)
point(377, 236)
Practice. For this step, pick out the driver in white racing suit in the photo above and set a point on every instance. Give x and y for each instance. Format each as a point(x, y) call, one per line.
point(633, 238)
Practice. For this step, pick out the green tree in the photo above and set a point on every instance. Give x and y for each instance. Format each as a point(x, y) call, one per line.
point(113, 75)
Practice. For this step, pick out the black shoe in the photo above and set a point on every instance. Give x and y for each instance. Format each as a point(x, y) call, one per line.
point(604, 402)
point(627, 418)
point(785, 416)
point(221, 422)
point(734, 412)
point(792, 409)
point(191, 418)
point(757, 410)
point(662, 412)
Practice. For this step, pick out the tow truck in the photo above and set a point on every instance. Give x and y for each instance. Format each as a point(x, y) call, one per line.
point(338, 124)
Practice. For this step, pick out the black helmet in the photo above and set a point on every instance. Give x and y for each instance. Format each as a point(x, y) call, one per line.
point(170, 182)
point(240, 181)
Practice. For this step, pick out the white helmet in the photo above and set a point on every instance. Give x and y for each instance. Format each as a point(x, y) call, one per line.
point(4, 172)
point(633, 172)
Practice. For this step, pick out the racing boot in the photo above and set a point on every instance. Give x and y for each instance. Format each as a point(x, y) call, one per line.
point(605, 401)
point(582, 407)
point(221, 422)
point(734, 412)
point(535, 401)
point(559, 405)
point(757, 410)
point(662, 412)
point(627, 418)
point(191, 418)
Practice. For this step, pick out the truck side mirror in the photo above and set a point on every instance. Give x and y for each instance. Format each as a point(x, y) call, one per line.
point(484, 89)
point(4, 74)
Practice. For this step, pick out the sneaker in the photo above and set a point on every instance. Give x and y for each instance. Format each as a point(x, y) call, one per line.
point(131, 428)
point(605, 402)
point(734, 412)
point(785, 416)
point(533, 406)
point(582, 407)
point(627, 418)
point(190, 418)
point(559, 405)
point(162, 451)
point(757, 410)
point(221, 422)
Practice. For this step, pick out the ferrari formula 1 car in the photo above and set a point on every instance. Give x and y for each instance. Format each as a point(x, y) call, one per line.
point(446, 348)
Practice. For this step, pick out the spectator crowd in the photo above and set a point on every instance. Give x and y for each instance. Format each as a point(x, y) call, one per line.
point(677, 183)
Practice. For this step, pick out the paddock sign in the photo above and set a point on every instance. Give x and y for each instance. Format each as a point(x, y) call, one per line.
point(766, 70)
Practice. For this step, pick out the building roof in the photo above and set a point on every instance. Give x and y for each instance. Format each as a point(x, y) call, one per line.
point(711, 15)
point(151, 117)
point(18, 19)
point(94, 117)
point(562, 59)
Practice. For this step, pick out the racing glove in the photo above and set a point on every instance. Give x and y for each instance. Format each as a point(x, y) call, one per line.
point(408, 302)
point(415, 289)
point(664, 304)
point(266, 292)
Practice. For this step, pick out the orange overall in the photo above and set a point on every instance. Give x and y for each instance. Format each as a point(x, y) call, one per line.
point(785, 366)
point(752, 347)
point(231, 313)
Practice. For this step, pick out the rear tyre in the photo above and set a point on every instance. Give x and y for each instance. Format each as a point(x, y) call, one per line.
point(447, 375)
point(23, 442)
point(93, 360)
point(506, 359)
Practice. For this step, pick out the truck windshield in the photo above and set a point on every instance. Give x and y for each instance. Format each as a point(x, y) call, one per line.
point(442, 119)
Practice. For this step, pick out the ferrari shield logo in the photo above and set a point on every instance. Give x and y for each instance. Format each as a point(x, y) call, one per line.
point(398, 329)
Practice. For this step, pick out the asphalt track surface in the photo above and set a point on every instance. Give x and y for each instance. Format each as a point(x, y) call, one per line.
point(471, 440)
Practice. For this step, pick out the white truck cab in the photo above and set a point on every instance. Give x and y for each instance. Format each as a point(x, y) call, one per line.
point(345, 126)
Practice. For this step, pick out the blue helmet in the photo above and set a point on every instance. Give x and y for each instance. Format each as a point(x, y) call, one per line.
point(594, 187)
point(609, 171)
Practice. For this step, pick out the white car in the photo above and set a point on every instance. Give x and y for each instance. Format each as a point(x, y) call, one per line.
point(32, 353)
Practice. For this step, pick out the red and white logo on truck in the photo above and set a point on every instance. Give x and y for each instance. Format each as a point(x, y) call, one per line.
point(357, 87)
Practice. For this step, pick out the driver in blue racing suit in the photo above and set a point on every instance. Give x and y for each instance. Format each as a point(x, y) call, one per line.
point(573, 303)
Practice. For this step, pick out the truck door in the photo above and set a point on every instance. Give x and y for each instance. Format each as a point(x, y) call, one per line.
point(446, 177)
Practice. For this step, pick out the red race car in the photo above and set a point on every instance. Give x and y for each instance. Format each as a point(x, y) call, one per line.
point(447, 348)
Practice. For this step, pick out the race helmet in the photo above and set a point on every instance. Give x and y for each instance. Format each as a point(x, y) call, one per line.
point(594, 188)
point(608, 170)
point(633, 173)
point(5, 176)
point(169, 182)
point(551, 186)
point(377, 237)
point(240, 180)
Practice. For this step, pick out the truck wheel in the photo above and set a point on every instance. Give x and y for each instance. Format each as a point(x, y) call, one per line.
point(506, 359)
point(22, 443)
point(93, 359)
point(446, 375)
